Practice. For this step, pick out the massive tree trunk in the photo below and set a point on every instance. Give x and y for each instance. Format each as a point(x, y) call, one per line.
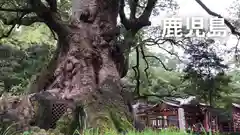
point(87, 66)
point(86, 70)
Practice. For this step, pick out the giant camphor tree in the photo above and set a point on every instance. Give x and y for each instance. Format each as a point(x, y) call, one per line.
point(89, 62)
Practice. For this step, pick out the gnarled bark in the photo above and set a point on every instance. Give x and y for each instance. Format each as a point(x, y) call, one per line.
point(87, 73)
point(84, 69)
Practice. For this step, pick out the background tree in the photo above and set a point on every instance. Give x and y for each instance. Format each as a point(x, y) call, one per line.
point(19, 65)
point(205, 72)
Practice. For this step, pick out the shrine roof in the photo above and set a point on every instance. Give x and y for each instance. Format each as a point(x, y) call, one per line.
point(236, 105)
point(170, 102)
point(179, 102)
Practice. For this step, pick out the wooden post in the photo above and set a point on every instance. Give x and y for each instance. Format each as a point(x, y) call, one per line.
point(234, 125)
point(206, 120)
point(178, 119)
point(148, 121)
point(165, 122)
point(217, 124)
point(181, 119)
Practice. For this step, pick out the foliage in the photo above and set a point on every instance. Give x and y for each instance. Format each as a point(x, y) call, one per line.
point(154, 79)
point(108, 131)
point(169, 131)
point(7, 130)
point(24, 37)
point(19, 65)
point(23, 53)
point(205, 72)
point(234, 96)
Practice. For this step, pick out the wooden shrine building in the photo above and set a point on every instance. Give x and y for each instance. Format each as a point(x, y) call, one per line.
point(184, 114)
point(236, 117)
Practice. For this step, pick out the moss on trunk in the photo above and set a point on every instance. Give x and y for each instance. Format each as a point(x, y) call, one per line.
point(110, 119)
point(105, 110)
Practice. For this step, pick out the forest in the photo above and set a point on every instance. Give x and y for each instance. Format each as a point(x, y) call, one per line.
point(77, 67)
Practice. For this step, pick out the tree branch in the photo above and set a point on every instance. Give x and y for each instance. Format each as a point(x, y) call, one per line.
point(137, 73)
point(53, 33)
point(124, 20)
point(134, 25)
point(156, 42)
point(53, 5)
point(142, 21)
point(144, 58)
point(52, 20)
point(228, 23)
point(26, 21)
point(154, 95)
point(133, 8)
point(164, 66)
point(237, 50)
point(8, 33)
point(16, 10)
point(13, 26)
point(144, 18)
